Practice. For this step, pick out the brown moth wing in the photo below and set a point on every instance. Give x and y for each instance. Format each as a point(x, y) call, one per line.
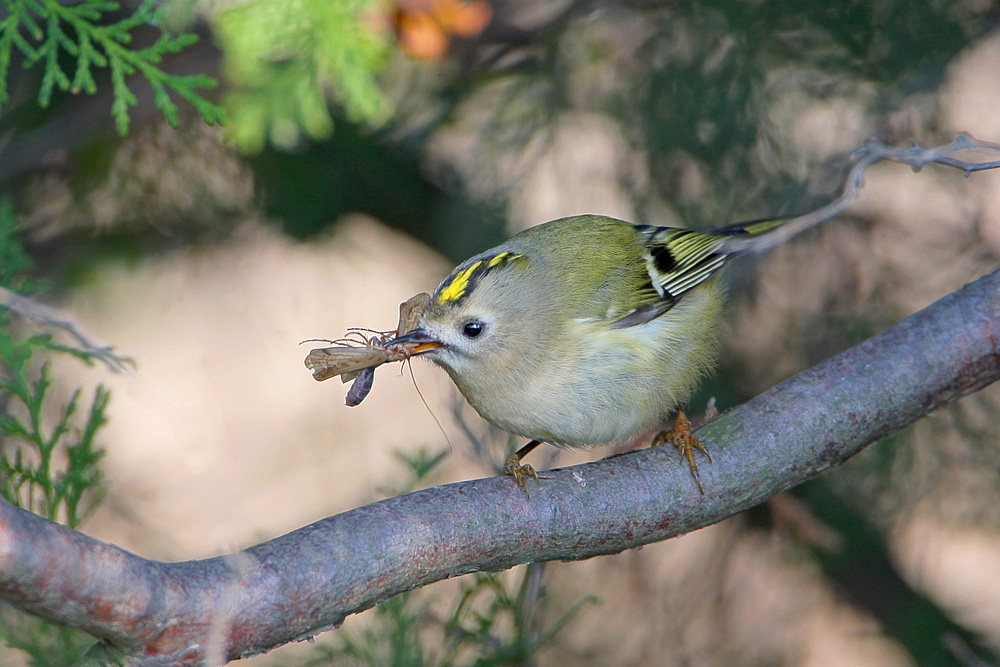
point(326, 362)
point(410, 312)
point(358, 362)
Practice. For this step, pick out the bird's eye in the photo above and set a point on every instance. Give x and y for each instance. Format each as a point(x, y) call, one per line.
point(472, 329)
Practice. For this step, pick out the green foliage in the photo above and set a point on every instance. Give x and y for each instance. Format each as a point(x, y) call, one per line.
point(394, 639)
point(48, 465)
point(492, 623)
point(14, 263)
point(44, 31)
point(419, 466)
point(284, 56)
point(45, 644)
point(28, 474)
point(31, 448)
point(500, 627)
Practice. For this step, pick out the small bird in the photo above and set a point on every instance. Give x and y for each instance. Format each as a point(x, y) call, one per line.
point(583, 331)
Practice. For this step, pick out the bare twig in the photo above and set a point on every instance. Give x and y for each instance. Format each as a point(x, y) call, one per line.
point(44, 315)
point(872, 152)
point(295, 586)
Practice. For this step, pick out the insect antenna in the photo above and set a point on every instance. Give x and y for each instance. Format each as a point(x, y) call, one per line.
point(413, 378)
point(317, 340)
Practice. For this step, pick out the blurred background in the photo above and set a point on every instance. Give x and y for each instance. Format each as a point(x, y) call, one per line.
point(370, 145)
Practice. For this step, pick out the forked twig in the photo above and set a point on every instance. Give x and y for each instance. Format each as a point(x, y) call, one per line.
point(43, 315)
point(873, 151)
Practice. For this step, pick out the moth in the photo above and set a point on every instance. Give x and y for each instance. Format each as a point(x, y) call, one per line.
point(360, 351)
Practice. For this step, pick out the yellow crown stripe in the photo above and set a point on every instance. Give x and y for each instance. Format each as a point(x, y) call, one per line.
point(463, 280)
point(455, 289)
point(505, 256)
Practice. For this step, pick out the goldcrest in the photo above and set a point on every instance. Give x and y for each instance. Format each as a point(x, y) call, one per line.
point(581, 331)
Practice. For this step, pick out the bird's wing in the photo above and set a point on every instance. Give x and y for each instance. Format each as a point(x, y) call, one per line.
point(678, 260)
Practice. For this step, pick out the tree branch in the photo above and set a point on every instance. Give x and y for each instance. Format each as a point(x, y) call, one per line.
point(46, 316)
point(297, 585)
point(872, 152)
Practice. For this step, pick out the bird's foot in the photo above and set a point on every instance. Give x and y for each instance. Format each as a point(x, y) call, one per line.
point(521, 472)
point(685, 442)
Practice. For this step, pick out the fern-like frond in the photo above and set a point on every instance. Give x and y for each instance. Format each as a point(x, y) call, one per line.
point(285, 58)
point(44, 30)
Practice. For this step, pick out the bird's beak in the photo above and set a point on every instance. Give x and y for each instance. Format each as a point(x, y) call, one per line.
point(418, 341)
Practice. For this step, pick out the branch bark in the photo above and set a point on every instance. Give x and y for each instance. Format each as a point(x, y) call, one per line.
point(292, 587)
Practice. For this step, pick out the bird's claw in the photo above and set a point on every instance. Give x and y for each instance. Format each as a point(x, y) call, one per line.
point(521, 472)
point(686, 443)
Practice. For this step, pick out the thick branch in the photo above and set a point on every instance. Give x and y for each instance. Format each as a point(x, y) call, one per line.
point(311, 579)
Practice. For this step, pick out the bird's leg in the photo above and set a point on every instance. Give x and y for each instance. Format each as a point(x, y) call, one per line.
point(521, 471)
point(685, 442)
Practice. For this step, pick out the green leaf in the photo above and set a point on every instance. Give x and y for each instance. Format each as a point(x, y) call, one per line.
point(283, 71)
point(31, 446)
point(13, 260)
point(95, 44)
point(124, 98)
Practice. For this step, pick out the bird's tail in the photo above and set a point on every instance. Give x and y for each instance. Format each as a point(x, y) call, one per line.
point(750, 228)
